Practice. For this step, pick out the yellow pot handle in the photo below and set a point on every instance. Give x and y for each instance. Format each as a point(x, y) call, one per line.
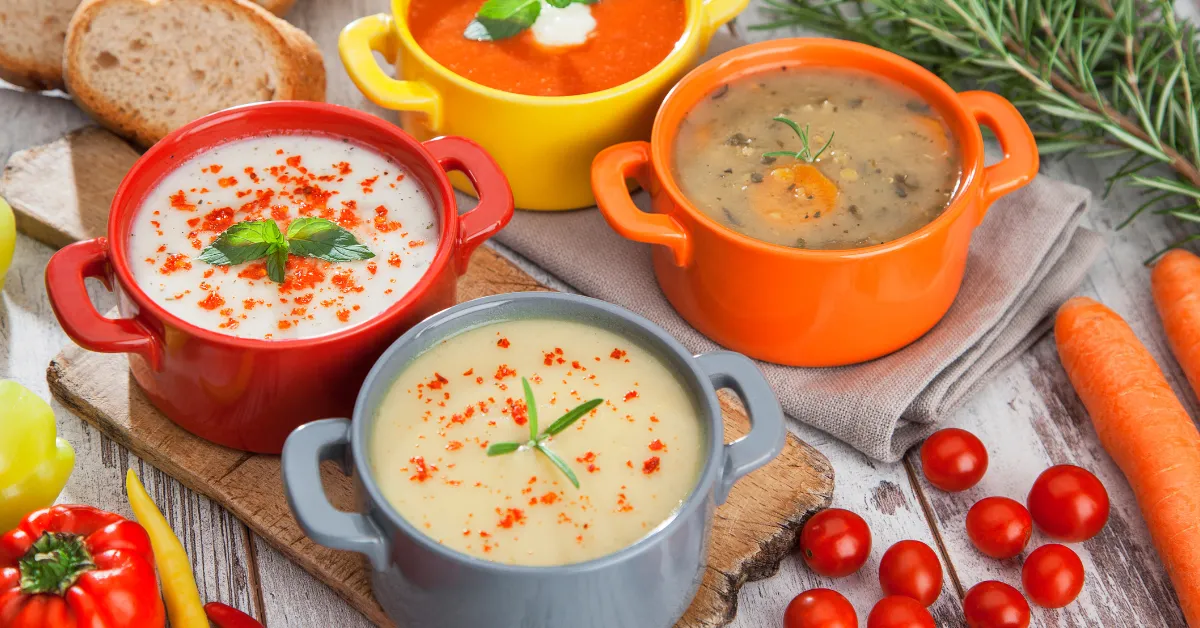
point(378, 33)
point(718, 13)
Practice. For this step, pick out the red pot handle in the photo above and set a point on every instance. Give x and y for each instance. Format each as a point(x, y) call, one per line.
point(495, 206)
point(65, 275)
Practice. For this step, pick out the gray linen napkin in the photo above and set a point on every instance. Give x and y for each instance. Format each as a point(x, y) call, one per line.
point(1026, 258)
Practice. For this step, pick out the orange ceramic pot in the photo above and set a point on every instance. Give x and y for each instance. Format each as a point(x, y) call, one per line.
point(807, 307)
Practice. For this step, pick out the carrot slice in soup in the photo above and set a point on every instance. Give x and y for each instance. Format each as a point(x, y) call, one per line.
point(794, 194)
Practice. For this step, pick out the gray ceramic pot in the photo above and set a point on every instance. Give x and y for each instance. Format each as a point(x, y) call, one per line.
point(422, 584)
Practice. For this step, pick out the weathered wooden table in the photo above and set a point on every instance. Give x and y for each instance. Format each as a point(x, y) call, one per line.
point(1028, 416)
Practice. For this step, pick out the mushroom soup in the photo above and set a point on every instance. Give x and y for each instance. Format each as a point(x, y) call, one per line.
point(452, 448)
point(285, 236)
point(817, 158)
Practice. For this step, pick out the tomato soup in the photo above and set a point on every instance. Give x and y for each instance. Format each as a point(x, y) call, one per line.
point(817, 158)
point(281, 179)
point(636, 454)
point(630, 37)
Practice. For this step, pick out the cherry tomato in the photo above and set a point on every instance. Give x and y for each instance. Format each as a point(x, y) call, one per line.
point(993, 604)
point(911, 569)
point(1068, 503)
point(835, 542)
point(898, 611)
point(820, 608)
point(1052, 576)
point(999, 527)
point(953, 459)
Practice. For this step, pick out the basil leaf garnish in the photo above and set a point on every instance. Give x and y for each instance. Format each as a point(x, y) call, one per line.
point(243, 242)
point(501, 19)
point(324, 239)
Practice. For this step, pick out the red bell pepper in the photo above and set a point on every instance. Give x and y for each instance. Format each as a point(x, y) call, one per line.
point(78, 567)
point(225, 616)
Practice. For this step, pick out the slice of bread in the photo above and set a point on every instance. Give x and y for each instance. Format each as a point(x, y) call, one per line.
point(146, 67)
point(32, 34)
point(278, 7)
point(31, 41)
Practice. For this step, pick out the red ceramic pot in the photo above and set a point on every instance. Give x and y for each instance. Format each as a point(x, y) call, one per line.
point(248, 393)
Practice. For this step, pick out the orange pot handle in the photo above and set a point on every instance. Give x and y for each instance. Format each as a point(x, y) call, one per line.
point(65, 275)
point(610, 170)
point(1020, 163)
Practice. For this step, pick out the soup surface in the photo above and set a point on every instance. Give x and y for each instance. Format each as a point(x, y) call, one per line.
point(889, 164)
point(636, 456)
point(282, 178)
point(630, 37)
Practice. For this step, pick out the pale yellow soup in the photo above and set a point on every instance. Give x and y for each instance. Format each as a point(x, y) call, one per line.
point(637, 455)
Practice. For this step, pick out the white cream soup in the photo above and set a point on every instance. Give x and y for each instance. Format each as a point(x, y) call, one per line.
point(282, 178)
point(637, 455)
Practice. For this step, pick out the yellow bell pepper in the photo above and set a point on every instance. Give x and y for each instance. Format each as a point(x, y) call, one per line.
point(174, 569)
point(34, 463)
point(8, 239)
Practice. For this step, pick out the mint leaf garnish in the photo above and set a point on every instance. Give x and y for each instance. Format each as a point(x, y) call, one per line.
point(306, 237)
point(243, 242)
point(277, 262)
point(324, 239)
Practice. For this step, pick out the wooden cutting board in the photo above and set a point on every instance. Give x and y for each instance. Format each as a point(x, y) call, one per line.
point(61, 195)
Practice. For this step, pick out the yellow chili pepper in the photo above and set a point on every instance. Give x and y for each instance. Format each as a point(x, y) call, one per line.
point(174, 569)
point(34, 463)
point(8, 240)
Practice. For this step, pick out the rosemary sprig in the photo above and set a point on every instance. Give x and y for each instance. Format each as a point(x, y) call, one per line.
point(538, 442)
point(1104, 77)
point(805, 153)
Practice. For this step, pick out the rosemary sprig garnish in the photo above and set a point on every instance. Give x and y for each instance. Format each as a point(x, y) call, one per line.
point(805, 153)
point(1103, 77)
point(537, 441)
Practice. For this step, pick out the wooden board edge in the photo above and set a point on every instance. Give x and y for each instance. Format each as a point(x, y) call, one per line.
point(778, 546)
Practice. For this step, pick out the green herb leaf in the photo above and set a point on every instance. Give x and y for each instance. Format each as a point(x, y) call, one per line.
point(499, 449)
point(501, 19)
point(570, 417)
point(277, 262)
point(560, 463)
point(805, 153)
point(530, 409)
point(326, 240)
point(242, 242)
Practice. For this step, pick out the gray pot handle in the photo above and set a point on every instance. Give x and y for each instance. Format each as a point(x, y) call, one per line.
point(767, 435)
point(306, 448)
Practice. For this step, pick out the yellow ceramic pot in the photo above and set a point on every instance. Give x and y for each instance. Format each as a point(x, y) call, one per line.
point(545, 144)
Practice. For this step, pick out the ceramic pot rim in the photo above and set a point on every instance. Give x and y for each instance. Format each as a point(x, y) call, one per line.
point(210, 128)
point(692, 29)
point(852, 55)
point(708, 407)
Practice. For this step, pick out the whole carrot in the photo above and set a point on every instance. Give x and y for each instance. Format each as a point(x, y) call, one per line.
point(1145, 429)
point(1175, 282)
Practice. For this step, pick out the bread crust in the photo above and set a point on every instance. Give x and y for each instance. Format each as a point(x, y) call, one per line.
point(302, 75)
point(41, 73)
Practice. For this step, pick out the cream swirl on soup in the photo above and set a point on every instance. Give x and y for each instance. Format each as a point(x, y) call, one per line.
point(636, 454)
point(282, 178)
